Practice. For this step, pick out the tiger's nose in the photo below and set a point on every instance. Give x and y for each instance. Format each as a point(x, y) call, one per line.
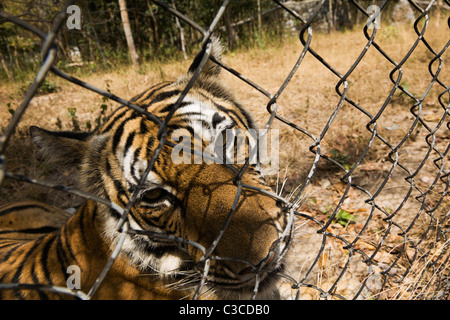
point(266, 264)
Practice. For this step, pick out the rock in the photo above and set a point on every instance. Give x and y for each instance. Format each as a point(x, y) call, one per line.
point(305, 10)
point(402, 13)
point(427, 179)
point(324, 183)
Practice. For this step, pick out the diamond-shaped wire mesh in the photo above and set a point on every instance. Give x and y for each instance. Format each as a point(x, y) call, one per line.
point(369, 229)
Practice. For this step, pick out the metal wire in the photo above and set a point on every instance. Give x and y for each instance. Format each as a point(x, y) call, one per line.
point(431, 282)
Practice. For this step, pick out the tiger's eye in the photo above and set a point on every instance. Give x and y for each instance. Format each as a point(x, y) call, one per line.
point(153, 194)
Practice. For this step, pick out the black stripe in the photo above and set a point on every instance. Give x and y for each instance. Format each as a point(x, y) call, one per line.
point(190, 113)
point(63, 235)
point(44, 262)
point(129, 141)
point(228, 111)
point(117, 184)
point(93, 216)
point(118, 135)
point(247, 116)
point(60, 253)
point(42, 295)
point(108, 168)
point(11, 251)
point(22, 207)
point(120, 191)
point(143, 126)
point(188, 128)
point(82, 229)
point(163, 96)
point(170, 106)
point(11, 242)
point(158, 87)
point(16, 277)
point(114, 118)
point(137, 97)
point(31, 230)
point(217, 118)
point(158, 252)
point(136, 158)
point(150, 143)
point(113, 213)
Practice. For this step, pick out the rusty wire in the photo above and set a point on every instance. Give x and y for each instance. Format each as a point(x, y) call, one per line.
point(436, 287)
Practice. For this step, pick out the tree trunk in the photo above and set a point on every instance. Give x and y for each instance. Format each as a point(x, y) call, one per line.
point(330, 16)
point(5, 67)
point(127, 29)
point(259, 17)
point(229, 28)
point(97, 40)
point(177, 21)
point(155, 28)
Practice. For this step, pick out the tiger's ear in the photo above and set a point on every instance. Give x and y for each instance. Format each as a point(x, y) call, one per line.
point(210, 69)
point(64, 147)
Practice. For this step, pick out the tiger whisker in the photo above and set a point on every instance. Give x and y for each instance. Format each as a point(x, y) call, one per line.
point(284, 181)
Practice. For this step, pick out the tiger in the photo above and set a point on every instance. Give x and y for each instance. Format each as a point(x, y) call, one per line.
point(179, 200)
point(36, 219)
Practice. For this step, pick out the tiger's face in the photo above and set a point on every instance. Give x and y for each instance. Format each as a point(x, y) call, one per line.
point(186, 214)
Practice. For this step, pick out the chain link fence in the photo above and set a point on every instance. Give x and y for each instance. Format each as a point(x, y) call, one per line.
point(368, 229)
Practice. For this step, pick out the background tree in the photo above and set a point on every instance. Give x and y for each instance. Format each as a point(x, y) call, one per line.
point(114, 32)
point(128, 34)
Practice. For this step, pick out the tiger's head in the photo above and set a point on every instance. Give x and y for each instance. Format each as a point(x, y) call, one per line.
point(199, 209)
